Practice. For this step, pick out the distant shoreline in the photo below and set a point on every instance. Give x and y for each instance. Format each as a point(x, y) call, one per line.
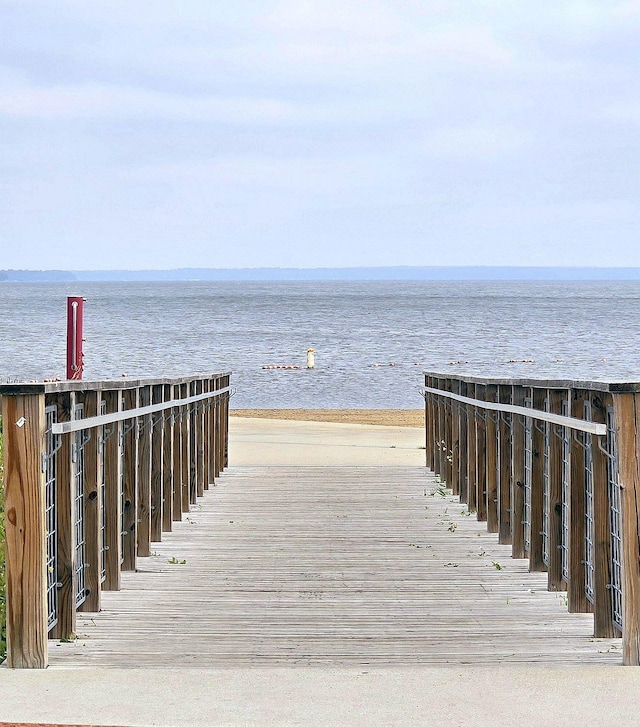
point(397, 273)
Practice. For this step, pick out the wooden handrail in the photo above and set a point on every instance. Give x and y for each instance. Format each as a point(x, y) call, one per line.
point(564, 421)
point(80, 507)
point(567, 496)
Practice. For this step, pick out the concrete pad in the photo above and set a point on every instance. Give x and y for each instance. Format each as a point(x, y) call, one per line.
point(279, 442)
point(502, 696)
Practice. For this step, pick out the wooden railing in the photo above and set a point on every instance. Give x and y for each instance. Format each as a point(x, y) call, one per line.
point(94, 473)
point(553, 467)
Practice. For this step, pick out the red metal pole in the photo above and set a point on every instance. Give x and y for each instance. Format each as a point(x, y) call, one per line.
point(75, 313)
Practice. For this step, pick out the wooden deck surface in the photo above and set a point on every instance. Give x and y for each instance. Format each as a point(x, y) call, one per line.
point(347, 566)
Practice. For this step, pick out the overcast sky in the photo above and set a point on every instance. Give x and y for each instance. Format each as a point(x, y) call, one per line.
point(305, 133)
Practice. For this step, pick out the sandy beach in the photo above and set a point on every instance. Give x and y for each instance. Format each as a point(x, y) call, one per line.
point(380, 417)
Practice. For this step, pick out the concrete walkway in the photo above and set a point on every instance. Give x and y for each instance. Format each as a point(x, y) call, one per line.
point(541, 694)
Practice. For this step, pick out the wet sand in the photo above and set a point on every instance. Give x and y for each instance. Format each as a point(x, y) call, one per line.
point(382, 417)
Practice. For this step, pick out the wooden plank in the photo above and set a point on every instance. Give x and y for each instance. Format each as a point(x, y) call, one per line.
point(491, 460)
point(602, 611)
point(157, 466)
point(130, 399)
point(627, 413)
point(504, 469)
point(576, 593)
point(333, 566)
point(518, 397)
point(536, 562)
point(167, 464)
point(92, 506)
point(25, 531)
point(65, 510)
point(555, 581)
point(112, 442)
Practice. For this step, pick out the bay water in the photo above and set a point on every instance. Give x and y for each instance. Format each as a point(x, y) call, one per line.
point(372, 340)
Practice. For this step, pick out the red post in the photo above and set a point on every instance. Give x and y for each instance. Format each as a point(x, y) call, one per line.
point(75, 312)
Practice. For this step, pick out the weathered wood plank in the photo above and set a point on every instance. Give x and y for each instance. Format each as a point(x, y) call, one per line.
point(25, 537)
point(338, 566)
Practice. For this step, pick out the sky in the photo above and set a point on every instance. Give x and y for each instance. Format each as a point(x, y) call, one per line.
point(297, 133)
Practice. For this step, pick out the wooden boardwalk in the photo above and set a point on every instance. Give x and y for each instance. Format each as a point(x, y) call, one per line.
point(346, 566)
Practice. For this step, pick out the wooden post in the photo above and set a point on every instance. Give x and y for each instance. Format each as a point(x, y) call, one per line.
point(225, 423)
point(504, 470)
point(177, 457)
point(576, 593)
point(602, 611)
point(481, 457)
point(65, 507)
point(157, 465)
point(167, 462)
point(463, 446)
point(517, 475)
point(454, 448)
point(26, 574)
point(536, 562)
point(211, 438)
point(472, 457)
point(112, 444)
point(185, 438)
point(491, 455)
point(627, 413)
point(200, 415)
point(92, 506)
point(448, 437)
point(218, 417)
point(193, 444)
point(440, 427)
point(554, 570)
point(130, 511)
point(144, 476)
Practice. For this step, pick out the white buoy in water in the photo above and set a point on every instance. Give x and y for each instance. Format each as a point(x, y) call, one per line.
point(311, 359)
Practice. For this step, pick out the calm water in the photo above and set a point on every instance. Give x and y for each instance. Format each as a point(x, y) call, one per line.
point(575, 330)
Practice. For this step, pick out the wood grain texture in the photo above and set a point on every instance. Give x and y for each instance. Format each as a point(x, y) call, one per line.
point(491, 460)
point(536, 563)
point(554, 570)
point(130, 507)
point(143, 529)
point(504, 468)
point(602, 612)
point(576, 593)
point(331, 565)
point(65, 509)
point(25, 531)
point(112, 497)
point(627, 412)
point(92, 506)
point(517, 475)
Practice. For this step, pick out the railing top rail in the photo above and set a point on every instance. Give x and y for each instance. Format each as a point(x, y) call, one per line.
point(77, 425)
point(580, 425)
point(612, 387)
point(57, 387)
